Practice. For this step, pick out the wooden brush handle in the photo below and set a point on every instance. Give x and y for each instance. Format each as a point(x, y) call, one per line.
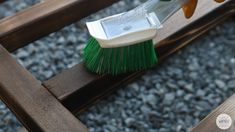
point(84, 88)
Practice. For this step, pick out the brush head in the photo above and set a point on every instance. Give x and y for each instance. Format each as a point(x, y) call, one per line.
point(119, 60)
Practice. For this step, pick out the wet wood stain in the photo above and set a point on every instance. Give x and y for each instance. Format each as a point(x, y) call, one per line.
point(190, 7)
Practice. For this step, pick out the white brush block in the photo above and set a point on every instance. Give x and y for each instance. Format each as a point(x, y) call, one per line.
point(110, 34)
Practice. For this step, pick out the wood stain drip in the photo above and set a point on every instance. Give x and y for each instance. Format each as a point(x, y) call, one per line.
point(219, 1)
point(190, 7)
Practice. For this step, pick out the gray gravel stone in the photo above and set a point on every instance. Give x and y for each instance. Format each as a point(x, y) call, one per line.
point(201, 93)
point(169, 97)
point(150, 99)
point(189, 87)
point(231, 84)
point(220, 83)
point(180, 93)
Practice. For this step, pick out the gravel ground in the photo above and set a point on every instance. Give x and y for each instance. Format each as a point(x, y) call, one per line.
point(172, 97)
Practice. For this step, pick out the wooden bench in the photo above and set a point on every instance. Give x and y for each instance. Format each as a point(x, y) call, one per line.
point(48, 106)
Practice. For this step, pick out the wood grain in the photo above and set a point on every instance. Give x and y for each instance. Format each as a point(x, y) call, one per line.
point(76, 88)
point(209, 123)
point(79, 88)
point(44, 18)
point(34, 106)
point(22, 130)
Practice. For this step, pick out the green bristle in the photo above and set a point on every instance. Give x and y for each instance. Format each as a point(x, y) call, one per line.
point(119, 60)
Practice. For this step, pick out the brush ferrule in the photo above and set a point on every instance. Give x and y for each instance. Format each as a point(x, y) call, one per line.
point(137, 25)
point(111, 33)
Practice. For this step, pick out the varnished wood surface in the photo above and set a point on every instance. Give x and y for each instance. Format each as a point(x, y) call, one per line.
point(209, 123)
point(77, 88)
point(44, 18)
point(178, 22)
point(34, 106)
point(22, 130)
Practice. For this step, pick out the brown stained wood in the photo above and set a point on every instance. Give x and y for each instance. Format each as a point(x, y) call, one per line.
point(189, 8)
point(44, 18)
point(22, 130)
point(178, 22)
point(209, 123)
point(77, 88)
point(34, 106)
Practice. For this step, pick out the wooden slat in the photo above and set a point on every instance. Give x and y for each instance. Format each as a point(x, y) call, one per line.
point(209, 123)
point(82, 88)
point(44, 18)
point(22, 130)
point(34, 106)
point(77, 88)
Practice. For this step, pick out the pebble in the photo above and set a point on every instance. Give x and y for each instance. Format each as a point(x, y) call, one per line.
point(150, 99)
point(128, 121)
point(169, 96)
point(171, 85)
point(231, 84)
point(189, 87)
point(180, 93)
point(220, 83)
point(200, 93)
